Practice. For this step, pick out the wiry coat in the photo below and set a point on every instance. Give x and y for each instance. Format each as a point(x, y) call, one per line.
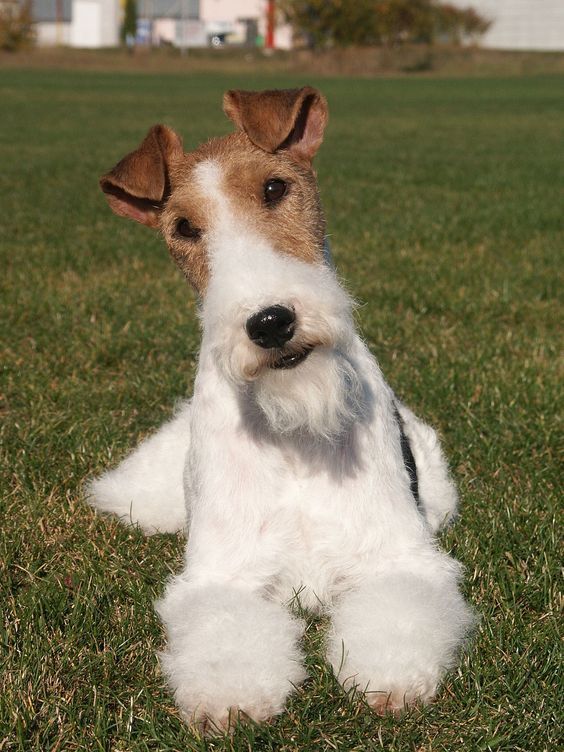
point(292, 480)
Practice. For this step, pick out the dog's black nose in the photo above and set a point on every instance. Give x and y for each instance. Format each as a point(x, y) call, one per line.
point(271, 327)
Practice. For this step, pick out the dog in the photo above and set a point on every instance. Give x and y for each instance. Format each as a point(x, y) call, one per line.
point(298, 473)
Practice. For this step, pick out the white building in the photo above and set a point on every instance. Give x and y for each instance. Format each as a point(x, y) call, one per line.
point(246, 13)
point(521, 24)
point(52, 22)
point(182, 23)
point(95, 23)
point(201, 23)
point(77, 23)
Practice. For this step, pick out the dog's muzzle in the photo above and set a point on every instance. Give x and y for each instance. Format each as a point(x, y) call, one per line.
point(272, 328)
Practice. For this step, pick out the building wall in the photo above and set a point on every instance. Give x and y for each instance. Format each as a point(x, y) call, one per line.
point(521, 24)
point(216, 12)
point(85, 24)
point(164, 31)
point(110, 22)
point(50, 33)
point(190, 34)
point(95, 23)
point(230, 10)
point(50, 11)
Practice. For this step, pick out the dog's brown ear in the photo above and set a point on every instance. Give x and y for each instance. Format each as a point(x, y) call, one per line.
point(289, 119)
point(139, 184)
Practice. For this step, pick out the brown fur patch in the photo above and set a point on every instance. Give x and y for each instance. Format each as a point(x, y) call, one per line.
point(294, 226)
point(280, 133)
point(292, 119)
point(137, 185)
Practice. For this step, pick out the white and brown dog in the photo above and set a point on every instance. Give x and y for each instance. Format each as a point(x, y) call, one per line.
point(294, 467)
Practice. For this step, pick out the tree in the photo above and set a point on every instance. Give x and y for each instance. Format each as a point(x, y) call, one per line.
point(326, 23)
point(16, 26)
point(129, 25)
point(456, 24)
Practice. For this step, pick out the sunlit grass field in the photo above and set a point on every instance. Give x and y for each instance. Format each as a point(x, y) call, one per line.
point(445, 206)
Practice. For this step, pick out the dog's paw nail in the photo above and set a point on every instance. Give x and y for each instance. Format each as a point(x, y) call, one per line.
point(210, 724)
point(393, 704)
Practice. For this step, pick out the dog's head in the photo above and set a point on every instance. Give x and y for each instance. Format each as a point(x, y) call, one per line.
point(242, 218)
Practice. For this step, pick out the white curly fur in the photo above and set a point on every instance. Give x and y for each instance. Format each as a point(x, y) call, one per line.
point(294, 482)
point(235, 652)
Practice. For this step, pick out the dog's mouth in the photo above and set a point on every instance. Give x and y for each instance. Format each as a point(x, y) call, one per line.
point(291, 360)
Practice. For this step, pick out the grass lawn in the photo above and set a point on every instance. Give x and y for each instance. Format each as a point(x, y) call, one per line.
point(445, 206)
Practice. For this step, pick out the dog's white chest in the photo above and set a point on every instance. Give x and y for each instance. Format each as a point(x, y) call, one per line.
point(318, 544)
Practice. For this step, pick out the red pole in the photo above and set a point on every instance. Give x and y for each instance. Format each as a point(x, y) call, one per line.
point(59, 21)
point(270, 15)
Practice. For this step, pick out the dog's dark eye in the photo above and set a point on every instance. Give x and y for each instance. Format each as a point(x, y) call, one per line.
point(184, 228)
point(274, 190)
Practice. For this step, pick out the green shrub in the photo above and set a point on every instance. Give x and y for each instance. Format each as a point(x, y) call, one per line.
point(326, 23)
point(16, 26)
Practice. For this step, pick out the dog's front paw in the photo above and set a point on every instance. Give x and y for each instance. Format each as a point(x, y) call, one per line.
point(213, 720)
point(394, 638)
point(231, 654)
point(388, 686)
point(401, 695)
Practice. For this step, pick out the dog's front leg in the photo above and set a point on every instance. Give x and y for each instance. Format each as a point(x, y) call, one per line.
point(146, 488)
point(394, 636)
point(230, 648)
point(229, 651)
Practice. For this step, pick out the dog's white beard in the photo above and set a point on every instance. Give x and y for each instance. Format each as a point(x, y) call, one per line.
point(322, 395)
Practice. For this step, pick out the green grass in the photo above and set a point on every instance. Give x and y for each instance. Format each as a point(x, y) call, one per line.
point(444, 202)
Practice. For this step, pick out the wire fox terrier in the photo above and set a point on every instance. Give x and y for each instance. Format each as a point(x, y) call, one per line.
point(294, 466)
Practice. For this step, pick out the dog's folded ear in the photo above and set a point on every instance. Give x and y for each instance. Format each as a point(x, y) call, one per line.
point(284, 119)
point(138, 185)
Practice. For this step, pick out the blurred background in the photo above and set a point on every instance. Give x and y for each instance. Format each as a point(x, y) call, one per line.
point(441, 175)
point(357, 37)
